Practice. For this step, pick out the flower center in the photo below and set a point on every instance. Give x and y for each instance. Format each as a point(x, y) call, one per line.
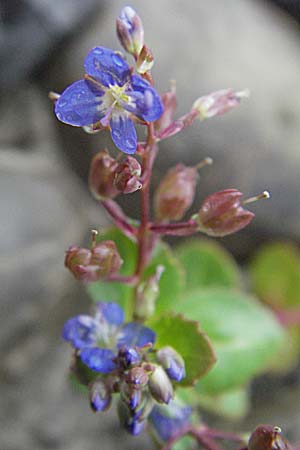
point(118, 93)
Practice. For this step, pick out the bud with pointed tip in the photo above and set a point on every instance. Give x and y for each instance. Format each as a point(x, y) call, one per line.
point(147, 294)
point(128, 356)
point(127, 175)
point(131, 396)
point(100, 396)
point(145, 60)
point(266, 437)
point(218, 103)
point(175, 193)
point(172, 362)
point(222, 213)
point(98, 263)
point(160, 386)
point(102, 175)
point(169, 103)
point(130, 31)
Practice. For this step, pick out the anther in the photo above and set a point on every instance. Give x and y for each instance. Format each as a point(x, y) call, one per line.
point(265, 194)
point(277, 430)
point(53, 96)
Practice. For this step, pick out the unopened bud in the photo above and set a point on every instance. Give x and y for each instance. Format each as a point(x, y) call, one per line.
point(101, 176)
point(160, 385)
point(172, 362)
point(134, 421)
point(266, 437)
point(147, 294)
point(222, 213)
point(218, 103)
point(145, 60)
point(169, 103)
point(175, 193)
point(127, 175)
point(100, 396)
point(130, 31)
point(131, 396)
point(128, 356)
point(98, 263)
point(137, 377)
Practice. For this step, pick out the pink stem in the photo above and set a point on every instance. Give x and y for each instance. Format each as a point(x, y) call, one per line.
point(132, 279)
point(175, 229)
point(118, 216)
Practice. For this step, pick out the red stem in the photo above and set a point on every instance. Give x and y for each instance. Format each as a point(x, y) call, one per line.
point(175, 229)
point(118, 216)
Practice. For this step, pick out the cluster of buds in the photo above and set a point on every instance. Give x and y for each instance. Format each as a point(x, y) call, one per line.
point(267, 437)
point(108, 177)
point(97, 263)
point(123, 360)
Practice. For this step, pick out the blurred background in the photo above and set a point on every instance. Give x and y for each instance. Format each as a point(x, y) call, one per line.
point(46, 206)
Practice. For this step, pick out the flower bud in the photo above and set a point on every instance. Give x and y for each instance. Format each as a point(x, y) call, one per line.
point(145, 60)
point(147, 293)
point(127, 356)
point(101, 176)
point(175, 193)
point(160, 386)
point(222, 213)
point(130, 31)
point(172, 362)
point(266, 437)
point(218, 103)
point(137, 377)
point(131, 396)
point(134, 421)
point(127, 175)
point(100, 396)
point(98, 263)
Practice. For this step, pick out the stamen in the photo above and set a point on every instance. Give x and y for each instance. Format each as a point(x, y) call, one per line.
point(265, 194)
point(205, 162)
point(94, 234)
point(53, 96)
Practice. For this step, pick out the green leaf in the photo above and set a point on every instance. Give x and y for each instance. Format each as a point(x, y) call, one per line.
point(188, 340)
point(116, 292)
point(244, 334)
point(207, 264)
point(275, 273)
point(172, 280)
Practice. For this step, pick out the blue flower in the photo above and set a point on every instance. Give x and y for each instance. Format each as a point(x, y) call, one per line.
point(111, 95)
point(98, 339)
point(166, 420)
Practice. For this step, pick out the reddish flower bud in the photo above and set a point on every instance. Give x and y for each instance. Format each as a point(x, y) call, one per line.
point(145, 60)
point(218, 103)
point(266, 437)
point(170, 103)
point(127, 175)
point(222, 213)
point(101, 176)
point(175, 193)
point(137, 377)
point(130, 31)
point(98, 263)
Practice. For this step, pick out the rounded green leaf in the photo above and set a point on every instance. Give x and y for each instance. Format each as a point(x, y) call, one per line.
point(245, 335)
point(275, 273)
point(207, 264)
point(188, 340)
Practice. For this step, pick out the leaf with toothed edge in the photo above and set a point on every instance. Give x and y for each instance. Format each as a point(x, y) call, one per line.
point(186, 337)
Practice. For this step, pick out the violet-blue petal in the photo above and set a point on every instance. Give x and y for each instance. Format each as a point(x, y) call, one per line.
point(111, 312)
point(148, 104)
point(169, 419)
point(128, 356)
point(81, 331)
point(134, 334)
point(175, 371)
point(123, 132)
point(135, 427)
point(107, 66)
point(98, 359)
point(80, 104)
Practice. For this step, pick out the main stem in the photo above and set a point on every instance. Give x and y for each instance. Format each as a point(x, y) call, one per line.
point(144, 234)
